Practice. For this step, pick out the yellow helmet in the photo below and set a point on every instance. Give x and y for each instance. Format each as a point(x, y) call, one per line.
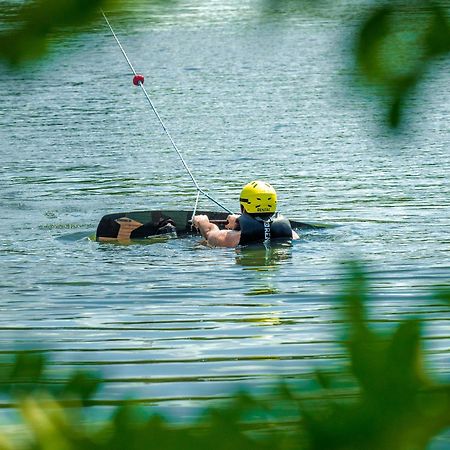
point(258, 197)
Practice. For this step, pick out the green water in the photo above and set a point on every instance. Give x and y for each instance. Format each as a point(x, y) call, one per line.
point(245, 95)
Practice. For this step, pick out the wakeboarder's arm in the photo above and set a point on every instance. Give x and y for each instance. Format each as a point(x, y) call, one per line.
point(213, 235)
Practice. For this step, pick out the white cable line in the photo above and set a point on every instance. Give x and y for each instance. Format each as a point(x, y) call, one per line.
point(161, 122)
point(195, 207)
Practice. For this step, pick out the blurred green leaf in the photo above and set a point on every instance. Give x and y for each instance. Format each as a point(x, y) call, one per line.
point(403, 360)
point(81, 386)
point(32, 24)
point(442, 294)
point(388, 403)
point(396, 45)
point(394, 407)
point(23, 373)
point(375, 28)
point(437, 39)
point(29, 367)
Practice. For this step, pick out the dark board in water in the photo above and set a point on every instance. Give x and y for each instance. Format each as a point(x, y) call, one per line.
point(141, 224)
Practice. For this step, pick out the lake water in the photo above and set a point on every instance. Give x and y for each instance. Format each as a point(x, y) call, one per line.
point(246, 95)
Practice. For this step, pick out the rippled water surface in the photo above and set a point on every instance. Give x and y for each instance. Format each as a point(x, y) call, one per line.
point(245, 95)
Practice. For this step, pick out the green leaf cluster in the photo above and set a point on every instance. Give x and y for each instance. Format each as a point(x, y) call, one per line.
point(398, 406)
point(381, 399)
point(397, 43)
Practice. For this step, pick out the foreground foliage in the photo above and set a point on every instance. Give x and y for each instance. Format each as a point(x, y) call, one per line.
point(396, 43)
point(381, 400)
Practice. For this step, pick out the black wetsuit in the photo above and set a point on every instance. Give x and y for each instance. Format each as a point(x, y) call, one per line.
point(255, 229)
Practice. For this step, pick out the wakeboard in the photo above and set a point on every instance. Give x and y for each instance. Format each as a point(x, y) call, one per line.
point(144, 224)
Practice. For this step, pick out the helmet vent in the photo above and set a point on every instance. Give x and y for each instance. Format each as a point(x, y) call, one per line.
point(258, 197)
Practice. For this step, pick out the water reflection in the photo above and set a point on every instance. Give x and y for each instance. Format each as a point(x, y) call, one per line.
point(264, 261)
point(261, 257)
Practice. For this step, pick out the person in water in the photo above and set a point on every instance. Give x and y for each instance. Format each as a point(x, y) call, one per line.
point(259, 220)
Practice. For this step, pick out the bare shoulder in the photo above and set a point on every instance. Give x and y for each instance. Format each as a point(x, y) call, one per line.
point(224, 238)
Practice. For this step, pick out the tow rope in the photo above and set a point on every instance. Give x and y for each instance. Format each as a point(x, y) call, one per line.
point(138, 80)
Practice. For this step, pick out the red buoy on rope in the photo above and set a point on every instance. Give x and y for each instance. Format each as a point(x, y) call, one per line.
point(138, 79)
